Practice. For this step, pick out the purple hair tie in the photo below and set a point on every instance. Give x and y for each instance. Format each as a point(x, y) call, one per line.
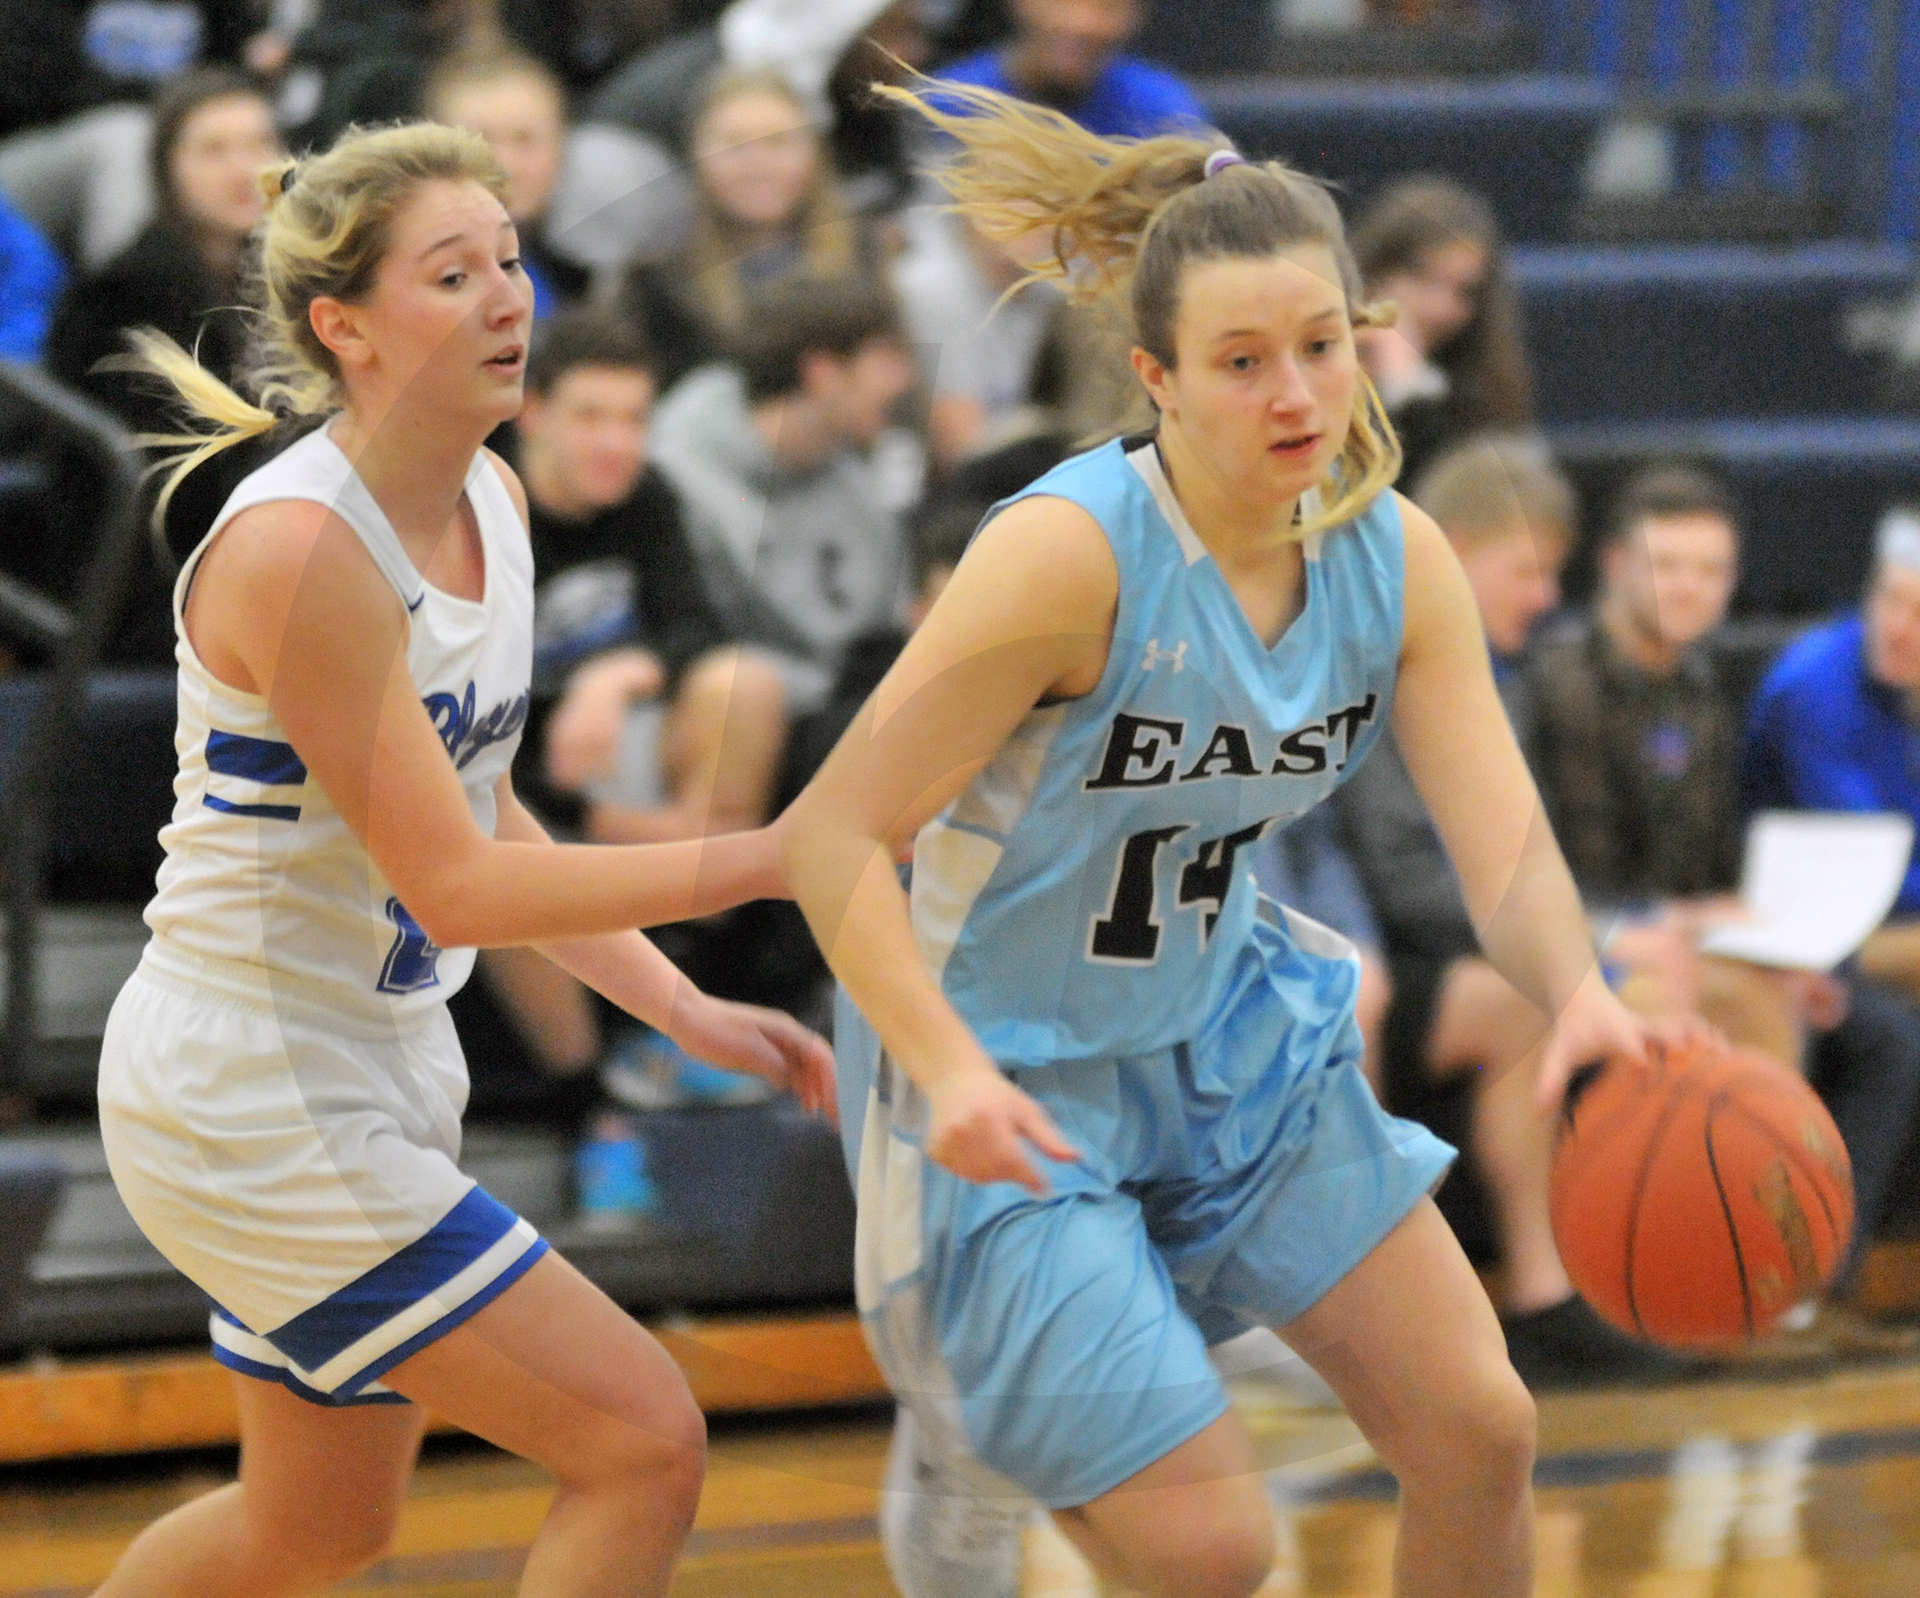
point(1220, 160)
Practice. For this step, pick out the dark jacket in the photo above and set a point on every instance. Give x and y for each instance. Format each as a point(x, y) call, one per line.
point(1640, 774)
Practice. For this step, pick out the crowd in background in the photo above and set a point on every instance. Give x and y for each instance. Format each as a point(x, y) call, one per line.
point(772, 391)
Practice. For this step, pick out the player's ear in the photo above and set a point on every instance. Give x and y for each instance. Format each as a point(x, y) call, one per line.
point(336, 325)
point(1152, 372)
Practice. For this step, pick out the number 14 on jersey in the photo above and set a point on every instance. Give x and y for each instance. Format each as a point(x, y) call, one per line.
point(1130, 929)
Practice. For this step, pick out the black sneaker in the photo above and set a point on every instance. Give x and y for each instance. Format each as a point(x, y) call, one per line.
point(1567, 1345)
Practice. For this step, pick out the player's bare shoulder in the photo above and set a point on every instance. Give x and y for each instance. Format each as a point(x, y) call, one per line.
point(516, 490)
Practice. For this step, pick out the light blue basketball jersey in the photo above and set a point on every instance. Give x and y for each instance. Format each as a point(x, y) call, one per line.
point(1088, 892)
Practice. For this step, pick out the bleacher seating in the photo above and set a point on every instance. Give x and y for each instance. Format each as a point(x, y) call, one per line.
point(1521, 141)
point(1673, 331)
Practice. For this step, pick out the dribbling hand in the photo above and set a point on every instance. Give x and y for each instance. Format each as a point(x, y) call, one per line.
point(1595, 1025)
point(980, 1128)
point(762, 1043)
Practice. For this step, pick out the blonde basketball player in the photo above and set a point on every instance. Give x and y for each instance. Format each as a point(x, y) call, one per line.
point(280, 1086)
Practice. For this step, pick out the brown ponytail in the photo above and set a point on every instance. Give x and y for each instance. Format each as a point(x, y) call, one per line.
point(1126, 217)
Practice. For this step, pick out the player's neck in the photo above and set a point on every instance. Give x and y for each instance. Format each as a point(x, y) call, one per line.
point(415, 468)
point(1234, 529)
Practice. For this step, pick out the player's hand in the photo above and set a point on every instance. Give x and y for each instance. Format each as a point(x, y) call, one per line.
point(757, 1042)
point(1592, 1025)
point(981, 1126)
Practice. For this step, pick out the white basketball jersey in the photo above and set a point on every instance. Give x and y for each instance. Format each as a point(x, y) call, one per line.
point(264, 884)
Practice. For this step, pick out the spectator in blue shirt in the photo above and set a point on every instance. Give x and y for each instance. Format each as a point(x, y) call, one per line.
point(1836, 723)
point(1066, 54)
point(31, 275)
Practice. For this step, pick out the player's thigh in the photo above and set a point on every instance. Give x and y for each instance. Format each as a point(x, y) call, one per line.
point(1412, 1346)
point(555, 1371)
point(324, 1480)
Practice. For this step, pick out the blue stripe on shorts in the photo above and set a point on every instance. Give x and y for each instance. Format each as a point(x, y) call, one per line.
point(341, 1346)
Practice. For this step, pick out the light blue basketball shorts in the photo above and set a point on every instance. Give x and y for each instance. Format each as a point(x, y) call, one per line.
point(1060, 1342)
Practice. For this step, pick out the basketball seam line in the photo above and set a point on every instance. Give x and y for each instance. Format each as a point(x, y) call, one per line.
point(1715, 1103)
point(1639, 1198)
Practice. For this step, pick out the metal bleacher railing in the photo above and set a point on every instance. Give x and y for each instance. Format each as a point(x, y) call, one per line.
point(74, 636)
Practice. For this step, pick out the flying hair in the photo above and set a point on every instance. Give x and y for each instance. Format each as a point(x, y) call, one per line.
point(1124, 218)
point(328, 222)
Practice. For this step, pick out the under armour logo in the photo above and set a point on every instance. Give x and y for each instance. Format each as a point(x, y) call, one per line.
point(1155, 654)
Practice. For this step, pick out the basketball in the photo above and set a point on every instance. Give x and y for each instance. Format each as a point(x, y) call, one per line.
point(1698, 1198)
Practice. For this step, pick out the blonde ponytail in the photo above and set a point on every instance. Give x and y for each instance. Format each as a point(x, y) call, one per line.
point(325, 232)
point(1125, 217)
point(202, 396)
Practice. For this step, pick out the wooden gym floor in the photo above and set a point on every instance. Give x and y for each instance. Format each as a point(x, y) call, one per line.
point(1800, 1487)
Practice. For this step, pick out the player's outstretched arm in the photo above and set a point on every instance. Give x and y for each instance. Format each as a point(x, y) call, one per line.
point(1463, 757)
point(288, 604)
point(627, 969)
point(1028, 614)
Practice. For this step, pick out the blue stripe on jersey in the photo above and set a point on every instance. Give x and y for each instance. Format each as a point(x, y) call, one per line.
point(266, 812)
point(261, 760)
point(368, 1302)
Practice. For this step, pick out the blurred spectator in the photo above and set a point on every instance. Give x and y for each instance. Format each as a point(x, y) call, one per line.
point(516, 104)
point(644, 725)
point(766, 207)
point(1455, 363)
point(31, 273)
point(799, 549)
point(1066, 54)
point(368, 61)
point(804, 41)
point(1453, 1019)
point(213, 134)
point(582, 41)
point(60, 57)
point(86, 182)
point(871, 140)
point(621, 615)
point(977, 349)
point(1833, 725)
point(1635, 743)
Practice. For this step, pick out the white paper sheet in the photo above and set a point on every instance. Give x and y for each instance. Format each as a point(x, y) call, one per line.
point(1814, 883)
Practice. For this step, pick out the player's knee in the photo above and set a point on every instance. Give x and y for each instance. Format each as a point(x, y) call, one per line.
point(1483, 1438)
point(1222, 1550)
point(1230, 1561)
point(658, 1452)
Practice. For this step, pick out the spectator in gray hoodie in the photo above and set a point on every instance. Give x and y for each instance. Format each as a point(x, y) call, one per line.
point(768, 453)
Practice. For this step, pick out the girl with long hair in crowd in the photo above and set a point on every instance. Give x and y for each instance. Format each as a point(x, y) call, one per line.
point(767, 205)
point(280, 1085)
point(183, 274)
point(1454, 362)
point(1102, 1103)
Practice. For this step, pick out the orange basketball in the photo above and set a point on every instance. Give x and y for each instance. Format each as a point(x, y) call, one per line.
point(1699, 1198)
